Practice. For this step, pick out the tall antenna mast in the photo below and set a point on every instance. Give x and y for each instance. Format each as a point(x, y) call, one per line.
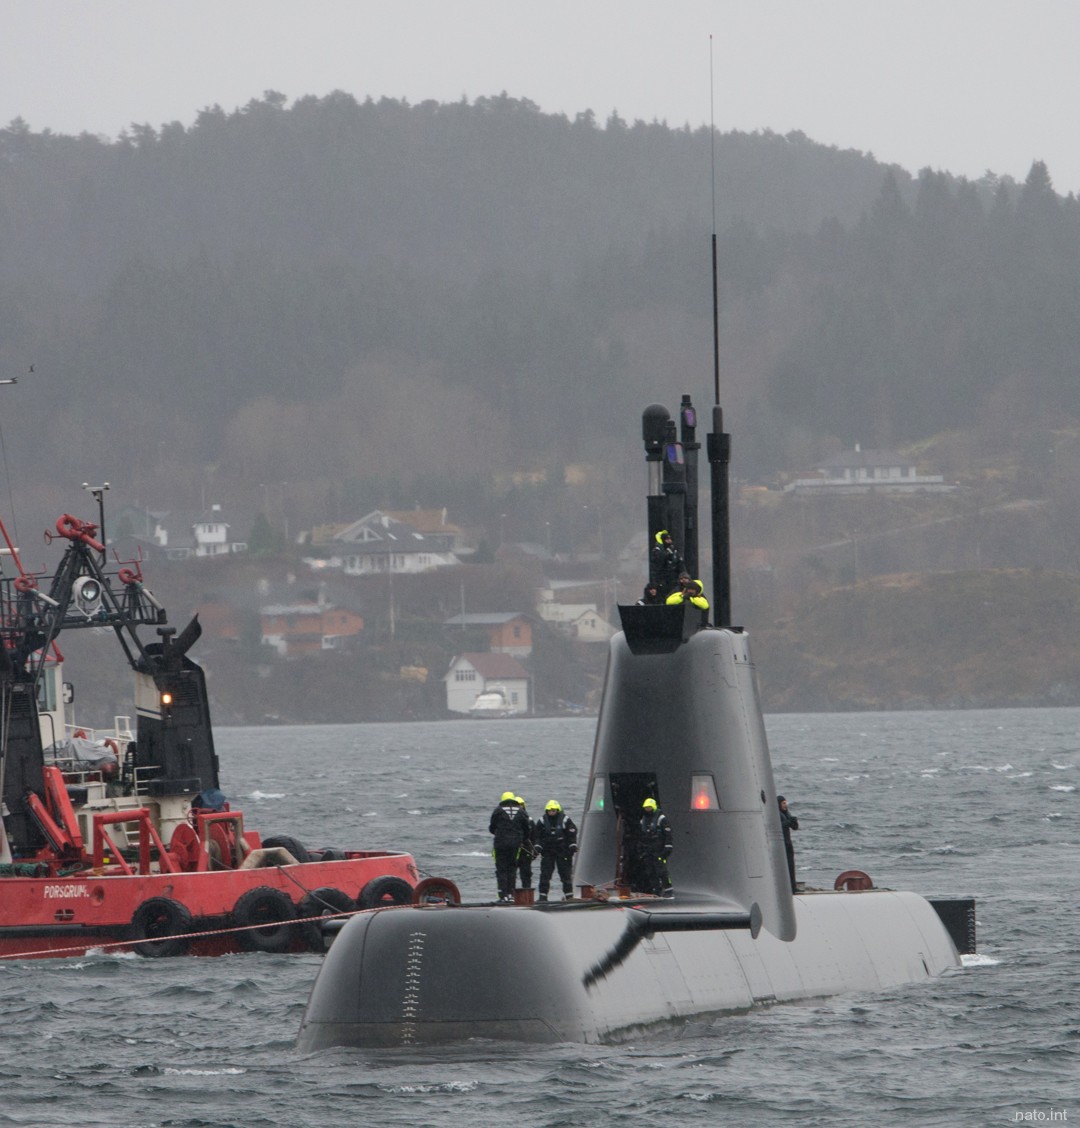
point(715, 285)
point(718, 443)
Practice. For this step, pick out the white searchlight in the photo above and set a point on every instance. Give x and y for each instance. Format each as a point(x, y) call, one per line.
point(86, 595)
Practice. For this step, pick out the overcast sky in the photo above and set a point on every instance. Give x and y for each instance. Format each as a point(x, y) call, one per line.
point(961, 85)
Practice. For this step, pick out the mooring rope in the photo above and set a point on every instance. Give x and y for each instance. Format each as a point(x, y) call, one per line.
point(84, 948)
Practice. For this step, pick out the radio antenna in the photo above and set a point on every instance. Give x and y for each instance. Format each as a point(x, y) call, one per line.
point(715, 283)
point(718, 442)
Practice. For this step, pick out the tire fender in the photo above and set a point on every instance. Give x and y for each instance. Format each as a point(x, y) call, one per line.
point(290, 844)
point(322, 902)
point(380, 892)
point(159, 927)
point(266, 915)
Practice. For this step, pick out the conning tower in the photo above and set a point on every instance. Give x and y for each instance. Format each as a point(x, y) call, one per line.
point(681, 718)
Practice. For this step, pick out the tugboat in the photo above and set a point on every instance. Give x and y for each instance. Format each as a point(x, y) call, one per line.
point(680, 727)
point(123, 839)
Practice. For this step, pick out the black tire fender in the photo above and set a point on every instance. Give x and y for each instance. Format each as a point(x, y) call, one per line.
point(266, 915)
point(287, 843)
point(319, 903)
point(160, 926)
point(383, 891)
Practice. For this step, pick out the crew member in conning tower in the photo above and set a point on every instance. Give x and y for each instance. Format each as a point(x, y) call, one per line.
point(651, 846)
point(665, 563)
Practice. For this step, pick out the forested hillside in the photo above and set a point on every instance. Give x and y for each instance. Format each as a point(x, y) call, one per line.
point(385, 304)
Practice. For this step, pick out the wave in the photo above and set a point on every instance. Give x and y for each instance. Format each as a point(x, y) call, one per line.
point(226, 1071)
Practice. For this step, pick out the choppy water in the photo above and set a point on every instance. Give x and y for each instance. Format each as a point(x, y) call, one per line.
point(966, 803)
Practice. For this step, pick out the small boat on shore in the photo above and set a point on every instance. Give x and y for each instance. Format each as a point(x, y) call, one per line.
point(122, 838)
point(493, 703)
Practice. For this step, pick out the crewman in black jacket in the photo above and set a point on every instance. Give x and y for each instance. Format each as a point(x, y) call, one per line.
point(665, 563)
point(788, 823)
point(512, 830)
point(526, 853)
point(555, 835)
point(653, 842)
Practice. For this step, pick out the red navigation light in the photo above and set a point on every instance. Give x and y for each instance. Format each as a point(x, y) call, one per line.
point(703, 793)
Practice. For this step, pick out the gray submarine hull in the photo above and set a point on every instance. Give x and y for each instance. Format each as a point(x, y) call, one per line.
point(680, 719)
point(432, 975)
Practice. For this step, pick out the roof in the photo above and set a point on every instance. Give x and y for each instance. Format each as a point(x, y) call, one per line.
point(379, 532)
point(423, 520)
point(484, 618)
point(279, 609)
point(857, 457)
point(493, 665)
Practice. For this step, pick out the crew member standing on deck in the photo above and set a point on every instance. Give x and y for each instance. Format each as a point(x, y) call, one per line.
point(526, 853)
point(555, 836)
point(510, 826)
point(788, 823)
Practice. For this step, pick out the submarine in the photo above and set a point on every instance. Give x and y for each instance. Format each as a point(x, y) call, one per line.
point(680, 722)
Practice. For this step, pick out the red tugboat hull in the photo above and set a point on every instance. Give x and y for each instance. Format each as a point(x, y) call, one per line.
point(199, 914)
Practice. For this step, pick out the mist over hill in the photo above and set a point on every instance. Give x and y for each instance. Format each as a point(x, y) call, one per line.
point(380, 303)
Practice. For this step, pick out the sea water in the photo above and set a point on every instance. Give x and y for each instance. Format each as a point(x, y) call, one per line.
point(980, 803)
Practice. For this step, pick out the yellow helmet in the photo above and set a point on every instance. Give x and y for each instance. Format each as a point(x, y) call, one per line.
point(649, 805)
point(553, 805)
point(506, 796)
point(518, 799)
point(660, 536)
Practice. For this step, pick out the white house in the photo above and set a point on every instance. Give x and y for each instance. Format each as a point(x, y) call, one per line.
point(472, 674)
point(211, 532)
point(379, 544)
point(582, 621)
point(590, 626)
point(869, 471)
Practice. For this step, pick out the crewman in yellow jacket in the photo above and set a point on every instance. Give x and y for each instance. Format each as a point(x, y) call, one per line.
point(689, 591)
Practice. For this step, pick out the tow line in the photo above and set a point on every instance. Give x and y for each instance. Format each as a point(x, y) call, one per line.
point(84, 948)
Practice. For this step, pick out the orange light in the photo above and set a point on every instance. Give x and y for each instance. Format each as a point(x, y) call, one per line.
point(703, 795)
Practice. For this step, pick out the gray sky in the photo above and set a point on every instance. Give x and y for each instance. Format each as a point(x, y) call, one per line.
point(961, 85)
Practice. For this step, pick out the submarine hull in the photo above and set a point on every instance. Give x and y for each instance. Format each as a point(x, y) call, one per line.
point(436, 974)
